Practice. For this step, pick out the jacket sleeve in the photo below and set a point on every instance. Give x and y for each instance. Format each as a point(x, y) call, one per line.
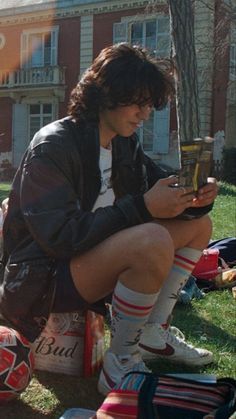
point(52, 209)
point(155, 171)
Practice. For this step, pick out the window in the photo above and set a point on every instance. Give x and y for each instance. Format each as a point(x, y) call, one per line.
point(39, 48)
point(154, 34)
point(39, 115)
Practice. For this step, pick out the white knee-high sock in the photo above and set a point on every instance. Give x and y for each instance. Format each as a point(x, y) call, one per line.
point(130, 311)
point(184, 263)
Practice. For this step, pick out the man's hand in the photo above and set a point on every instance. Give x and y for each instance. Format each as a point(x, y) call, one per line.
point(164, 200)
point(207, 194)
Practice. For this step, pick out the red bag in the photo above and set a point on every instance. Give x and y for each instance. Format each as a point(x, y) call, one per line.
point(208, 265)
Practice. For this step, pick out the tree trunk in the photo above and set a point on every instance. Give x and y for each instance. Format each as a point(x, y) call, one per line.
point(182, 31)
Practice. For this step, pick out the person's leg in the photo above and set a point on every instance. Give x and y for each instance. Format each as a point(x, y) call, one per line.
point(190, 238)
point(139, 257)
point(184, 262)
point(194, 233)
point(133, 263)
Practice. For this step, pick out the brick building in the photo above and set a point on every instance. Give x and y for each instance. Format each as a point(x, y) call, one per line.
point(46, 44)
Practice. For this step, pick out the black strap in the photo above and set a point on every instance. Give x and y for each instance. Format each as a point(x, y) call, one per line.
point(146, 409)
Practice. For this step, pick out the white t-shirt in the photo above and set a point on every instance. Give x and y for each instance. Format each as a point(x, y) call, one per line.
point(106, 196)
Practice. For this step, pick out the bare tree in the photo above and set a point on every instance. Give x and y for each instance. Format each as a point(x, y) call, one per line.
point(183, 52)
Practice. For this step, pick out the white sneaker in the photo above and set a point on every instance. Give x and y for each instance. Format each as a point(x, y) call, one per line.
point(115, 367)
point(157, 342)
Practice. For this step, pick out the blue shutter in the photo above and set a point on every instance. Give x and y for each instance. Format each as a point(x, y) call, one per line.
point(20, 132)
point(162, 118)
point(161, 131)
point(54, 46)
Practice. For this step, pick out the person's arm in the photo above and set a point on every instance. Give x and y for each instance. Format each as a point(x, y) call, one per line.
point(204, 201)
point(156, 171)
point(202, 205)
point(52, 211)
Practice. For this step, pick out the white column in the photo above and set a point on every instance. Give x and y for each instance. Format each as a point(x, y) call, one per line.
point(86, 42)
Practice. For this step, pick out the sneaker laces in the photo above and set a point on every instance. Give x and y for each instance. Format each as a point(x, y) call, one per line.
point(177, 332)
point(176, 340)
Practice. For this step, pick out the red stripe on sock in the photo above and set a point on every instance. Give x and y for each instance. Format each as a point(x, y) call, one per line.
point(125, 303)
point(130, 313)
point(183, 259)
point(185, 267)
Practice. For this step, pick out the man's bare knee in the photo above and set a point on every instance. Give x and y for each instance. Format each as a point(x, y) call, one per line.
point(203, 229)
point(140, 256)
point(157, 244)
point(153, 258)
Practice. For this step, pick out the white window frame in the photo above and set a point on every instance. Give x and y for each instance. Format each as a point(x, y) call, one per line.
point(41, 115)
point(25, 44)
point(160, 52)
point(122, 29)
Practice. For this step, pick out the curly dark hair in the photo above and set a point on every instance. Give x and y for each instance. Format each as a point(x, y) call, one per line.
point(121, 75)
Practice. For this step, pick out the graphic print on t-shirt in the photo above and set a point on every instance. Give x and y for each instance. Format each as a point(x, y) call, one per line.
point(106, 194)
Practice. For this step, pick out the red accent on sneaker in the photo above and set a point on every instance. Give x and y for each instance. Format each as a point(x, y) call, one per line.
point(168, 350)
point(165, 326)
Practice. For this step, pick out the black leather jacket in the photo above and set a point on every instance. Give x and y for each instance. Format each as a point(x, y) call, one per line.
point(50, 218)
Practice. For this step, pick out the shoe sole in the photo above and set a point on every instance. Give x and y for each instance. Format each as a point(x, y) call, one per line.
point(148, 356)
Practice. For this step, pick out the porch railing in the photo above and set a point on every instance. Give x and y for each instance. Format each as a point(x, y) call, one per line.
point(35, 76)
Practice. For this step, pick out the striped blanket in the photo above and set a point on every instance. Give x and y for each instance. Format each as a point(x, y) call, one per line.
point(149, 396)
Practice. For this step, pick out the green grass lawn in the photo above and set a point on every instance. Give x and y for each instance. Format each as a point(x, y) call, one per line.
point(209, 322)
point(224, 212)
point(4, 190)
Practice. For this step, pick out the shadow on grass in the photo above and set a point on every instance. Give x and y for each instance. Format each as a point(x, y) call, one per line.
point(196, 327)
point(72, 392)
point(202, 333)
point(18, 409)
point(226, 189)
point(69, 392)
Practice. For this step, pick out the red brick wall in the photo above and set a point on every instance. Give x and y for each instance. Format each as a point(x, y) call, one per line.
point(5, 124)
point(68, 52)
point(69, 55)
point(9, 60)
point(103, 28)
point(103, 25)
point(10, 54)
